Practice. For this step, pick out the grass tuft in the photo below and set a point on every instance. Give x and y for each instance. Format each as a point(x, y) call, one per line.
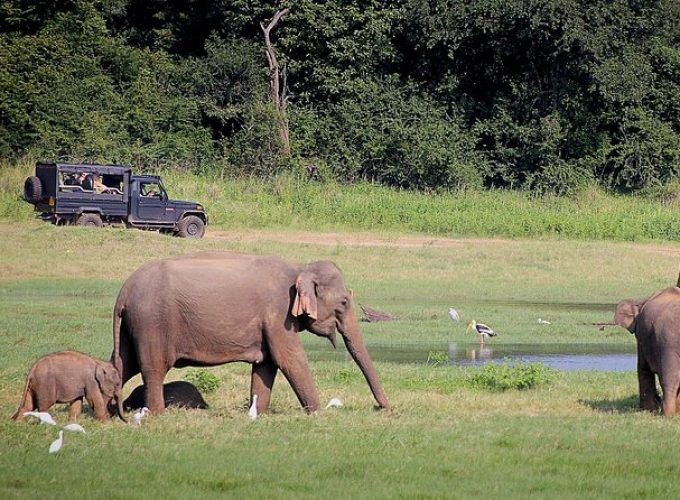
point(203, 380)
point(508, 376)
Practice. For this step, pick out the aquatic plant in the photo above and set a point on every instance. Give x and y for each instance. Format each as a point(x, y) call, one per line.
point(510, 375)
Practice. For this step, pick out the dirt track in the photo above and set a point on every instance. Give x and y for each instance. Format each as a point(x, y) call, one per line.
point(403, 241)
point(348, 239)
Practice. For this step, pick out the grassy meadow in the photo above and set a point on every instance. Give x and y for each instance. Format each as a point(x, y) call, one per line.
point(576, 434)
point(292, 201)
point(573, 434)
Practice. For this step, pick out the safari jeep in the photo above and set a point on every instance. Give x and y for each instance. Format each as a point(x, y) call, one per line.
point(97, 195)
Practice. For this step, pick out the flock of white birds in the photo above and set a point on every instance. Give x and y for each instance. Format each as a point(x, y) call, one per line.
point(136, 419)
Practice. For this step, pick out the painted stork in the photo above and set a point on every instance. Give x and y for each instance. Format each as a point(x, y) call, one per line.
point(481, 329)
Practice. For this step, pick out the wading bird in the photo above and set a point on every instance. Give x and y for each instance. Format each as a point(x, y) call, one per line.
point(57, 443)
point(74, 428)
point(333, 403)
point(45, 418)
point(139, 415)
point(453, 314)
point(481, 329)
point(252, 411)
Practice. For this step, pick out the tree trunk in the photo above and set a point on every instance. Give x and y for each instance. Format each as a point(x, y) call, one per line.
point(278, 84)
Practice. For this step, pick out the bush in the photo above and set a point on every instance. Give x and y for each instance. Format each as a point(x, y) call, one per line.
point(203, 379)
point(436, 358)
point(505, 376)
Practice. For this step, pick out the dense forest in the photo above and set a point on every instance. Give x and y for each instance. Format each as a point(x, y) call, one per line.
point(546, 95)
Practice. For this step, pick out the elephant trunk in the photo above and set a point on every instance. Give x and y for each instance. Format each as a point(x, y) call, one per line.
point(119, 405)
point(351, 334)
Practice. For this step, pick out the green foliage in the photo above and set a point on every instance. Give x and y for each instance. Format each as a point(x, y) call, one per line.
point(511, 375)
point(436, 358)
point(383, 133)
point(542, 95)
point(203, 380)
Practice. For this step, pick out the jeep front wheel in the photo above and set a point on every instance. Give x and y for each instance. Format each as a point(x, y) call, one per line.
point(90, 220)
point(191, 227)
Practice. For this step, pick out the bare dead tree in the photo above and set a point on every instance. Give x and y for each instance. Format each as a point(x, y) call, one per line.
point(278, 83)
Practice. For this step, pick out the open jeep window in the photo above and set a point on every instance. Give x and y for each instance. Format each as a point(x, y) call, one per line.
point(111, 184)
point(75, 182)
point(150, 190)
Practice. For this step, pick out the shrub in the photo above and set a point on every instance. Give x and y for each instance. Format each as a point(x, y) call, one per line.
point(514, 375)
point(203, 379)
point(436, 358)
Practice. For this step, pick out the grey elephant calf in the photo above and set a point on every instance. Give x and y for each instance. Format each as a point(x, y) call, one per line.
point(70, 377)
point(655, 321)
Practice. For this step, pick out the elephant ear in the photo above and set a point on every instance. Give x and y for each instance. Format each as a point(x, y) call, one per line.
point(305, 296)
point(627, 312)
point(107, 378)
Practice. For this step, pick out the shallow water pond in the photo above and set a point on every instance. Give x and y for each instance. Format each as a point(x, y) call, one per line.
point(604, 357)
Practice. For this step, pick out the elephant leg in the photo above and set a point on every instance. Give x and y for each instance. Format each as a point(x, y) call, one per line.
point(153, 382)
point(649, 397)
point(98, 405)
point(670, 383)
point(261, 383)
point(154, 366)
point(75, 409)
point(291, 359)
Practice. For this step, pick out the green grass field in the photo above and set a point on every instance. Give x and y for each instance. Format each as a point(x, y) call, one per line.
point(576, 435)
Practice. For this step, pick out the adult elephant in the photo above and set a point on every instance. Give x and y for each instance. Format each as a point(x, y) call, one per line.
point(217, 307)
point(655, 321)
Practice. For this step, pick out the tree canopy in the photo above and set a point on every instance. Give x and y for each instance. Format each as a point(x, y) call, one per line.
point(422, 94)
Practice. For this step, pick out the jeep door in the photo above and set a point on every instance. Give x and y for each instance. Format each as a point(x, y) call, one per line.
point(153, 202)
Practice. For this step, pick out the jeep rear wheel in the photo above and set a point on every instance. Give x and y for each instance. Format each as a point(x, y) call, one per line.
point(32, 189)
point(191, 227)
point(90, 220)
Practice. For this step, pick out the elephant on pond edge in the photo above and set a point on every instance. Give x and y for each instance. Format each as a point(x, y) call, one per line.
point(212, 308)
point(655, 322)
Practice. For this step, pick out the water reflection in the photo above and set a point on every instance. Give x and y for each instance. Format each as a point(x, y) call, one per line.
point(604, 357)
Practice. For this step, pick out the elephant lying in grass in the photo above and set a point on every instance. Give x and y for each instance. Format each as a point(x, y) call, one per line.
point(212, 308)
point(70, 377)
point(180, 394)
point(655, 321)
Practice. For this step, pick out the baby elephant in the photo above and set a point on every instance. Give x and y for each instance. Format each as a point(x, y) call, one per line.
point(68, 377)
point(181, 394)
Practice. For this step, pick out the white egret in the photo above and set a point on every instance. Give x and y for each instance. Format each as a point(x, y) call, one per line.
point(57, 443)
point(333, 403)
point(453, 314)
point(481, 329)
point(45, 418)
point(543, 322)
point(74, 428)
point(139, 415)
point(252, 411)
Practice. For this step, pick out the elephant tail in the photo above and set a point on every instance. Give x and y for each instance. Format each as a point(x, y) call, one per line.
point(678, 282)
point(116, 359)
point(18, 415)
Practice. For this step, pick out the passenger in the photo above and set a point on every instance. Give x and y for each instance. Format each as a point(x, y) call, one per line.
point(70, 180)
point(99, 186)
point(85, 181)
